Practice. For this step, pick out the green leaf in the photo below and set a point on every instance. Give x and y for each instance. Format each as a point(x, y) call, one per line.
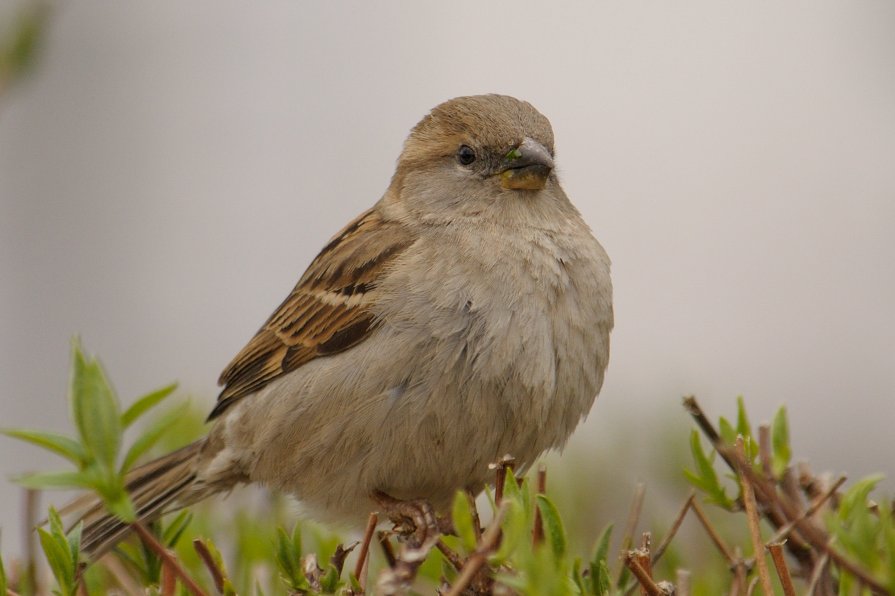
point(602, 580)
point(553, 528)
point(58, 444)
point(122, 507)
point(743, 426)
point(781, 454)
point(95, 409)
point(705, 478)
point(174, 530)
point(150, 437)
point(461, 513)
point(145, 403)
point(57, 556)
point(726, 430)
point(53, 480)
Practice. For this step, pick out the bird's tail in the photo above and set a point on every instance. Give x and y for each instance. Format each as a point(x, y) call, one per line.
point(155, 488)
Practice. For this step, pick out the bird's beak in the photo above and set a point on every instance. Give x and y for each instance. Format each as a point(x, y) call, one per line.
point(526, 167)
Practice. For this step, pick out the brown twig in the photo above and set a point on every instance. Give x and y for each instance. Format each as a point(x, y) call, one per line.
point(490, 541)
point(682, 579)
point(812, 509)
point(387, 550)
point(764, 450)
point(776, 550)
point(739, 573)
point(630, 527)
point(476, 521)
point(166, 557)
point(817, 574)
point(32, 501)
point(217, 576)
point(453, 558)
point(361, 565)
point(124, 579)
point(168, 582)
point(642, 556)
point(660, 550)
point(505, 463)
point(647, 585)
point(772, 506)
point(713, 534)
point(815, 536)
point(754, 521)
point(752, 585)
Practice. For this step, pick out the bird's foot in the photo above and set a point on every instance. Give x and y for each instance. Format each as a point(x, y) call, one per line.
point(415, 520)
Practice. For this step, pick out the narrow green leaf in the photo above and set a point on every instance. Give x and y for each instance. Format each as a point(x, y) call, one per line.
point(151, 435)
point(461, 513)
point(58, 444)
point(53, 480)
point(74, 543)
point(780, 449)
point(59, 557)
point(553, 528)
point(175, 528)
point(726, 431)
point(95, 409)
point(743, 426)
point(602, 580)
point(145, 403)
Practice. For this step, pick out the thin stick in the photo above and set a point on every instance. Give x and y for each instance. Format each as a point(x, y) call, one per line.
point(361, 565)
point(506, 463)
point(739, 572)
point(168, 581)
point(776, 550)
point(647, 585)
point(217, 576)
point(387, 550)
point(125, 581)
point(764, 450)
point(752, 585)
point(812, 509)
point(642, 556)
point(449, 554)
point(818, 573)
point(660, 550)
point(815, 536)
point(754, 521)
point(166, 557)
point(630, 526)
point(682, 578)
point(32, 500)
point(490, 540)
point(713, 534)
point(476, 521)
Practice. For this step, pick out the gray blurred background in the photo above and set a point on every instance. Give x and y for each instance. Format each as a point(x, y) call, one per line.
point(168, 170)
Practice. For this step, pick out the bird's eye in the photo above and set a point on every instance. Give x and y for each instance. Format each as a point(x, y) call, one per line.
point(465, 155)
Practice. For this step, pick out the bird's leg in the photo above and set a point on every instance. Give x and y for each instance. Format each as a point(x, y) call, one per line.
point(414, 519)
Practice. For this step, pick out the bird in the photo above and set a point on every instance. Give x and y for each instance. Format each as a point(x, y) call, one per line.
point(465, 316)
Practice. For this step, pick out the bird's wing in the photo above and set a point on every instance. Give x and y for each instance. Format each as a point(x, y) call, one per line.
point(327, 312)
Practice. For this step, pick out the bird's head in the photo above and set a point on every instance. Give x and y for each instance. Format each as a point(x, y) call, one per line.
point(470, 153)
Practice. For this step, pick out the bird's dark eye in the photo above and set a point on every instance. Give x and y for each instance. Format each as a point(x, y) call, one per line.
point(465, 155)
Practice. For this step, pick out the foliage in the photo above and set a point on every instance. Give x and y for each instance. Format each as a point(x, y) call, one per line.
point(524, 548)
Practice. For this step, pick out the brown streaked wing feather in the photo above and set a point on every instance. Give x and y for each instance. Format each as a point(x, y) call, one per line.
point(327, 311)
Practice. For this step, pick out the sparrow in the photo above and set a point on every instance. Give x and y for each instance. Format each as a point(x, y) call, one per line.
point(464, 317)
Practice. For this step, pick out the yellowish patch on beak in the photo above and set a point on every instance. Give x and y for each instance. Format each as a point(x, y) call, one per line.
point(533, 177)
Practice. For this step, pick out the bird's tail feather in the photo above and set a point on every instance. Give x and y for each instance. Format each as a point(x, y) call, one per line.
point(155, 488)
